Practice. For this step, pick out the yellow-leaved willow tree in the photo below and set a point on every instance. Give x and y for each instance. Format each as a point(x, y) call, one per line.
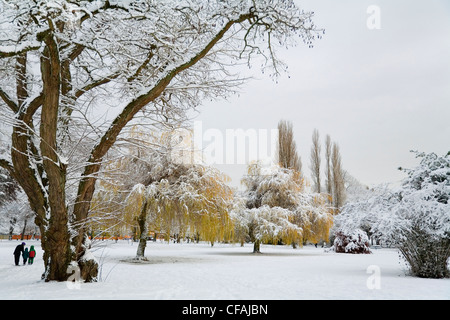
point(149, 188)
point(193, 200)
point(276, 206)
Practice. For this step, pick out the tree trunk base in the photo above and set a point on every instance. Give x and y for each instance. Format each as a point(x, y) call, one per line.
point(256, 246)
point(89, 270)
point(140, 258)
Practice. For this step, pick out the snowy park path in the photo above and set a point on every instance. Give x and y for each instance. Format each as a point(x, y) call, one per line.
point(225, 271)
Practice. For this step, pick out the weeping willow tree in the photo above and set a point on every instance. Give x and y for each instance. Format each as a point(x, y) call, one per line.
point(149, 186)
point(112, 210)
point(106, 211)
point(192, 200)
point(276, 207)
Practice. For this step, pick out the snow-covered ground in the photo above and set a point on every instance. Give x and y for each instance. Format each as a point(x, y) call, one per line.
point(225, 271)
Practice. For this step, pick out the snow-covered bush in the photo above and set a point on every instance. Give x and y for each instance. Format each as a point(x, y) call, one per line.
point(356, 242)
point(415, 217)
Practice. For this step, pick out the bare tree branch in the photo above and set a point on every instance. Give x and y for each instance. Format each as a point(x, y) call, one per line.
point(9, 102)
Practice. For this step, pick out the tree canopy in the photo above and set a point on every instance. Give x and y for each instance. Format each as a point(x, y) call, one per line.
point(276, 206)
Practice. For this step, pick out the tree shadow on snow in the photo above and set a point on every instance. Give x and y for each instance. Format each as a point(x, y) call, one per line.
point(159, 260)
point(264, 254)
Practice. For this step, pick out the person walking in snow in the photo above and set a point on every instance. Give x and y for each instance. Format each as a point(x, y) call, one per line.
point(31, 255)
point(18, 252)
point(25, 255)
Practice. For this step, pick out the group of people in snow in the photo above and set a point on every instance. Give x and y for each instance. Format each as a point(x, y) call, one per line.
point(27, 255)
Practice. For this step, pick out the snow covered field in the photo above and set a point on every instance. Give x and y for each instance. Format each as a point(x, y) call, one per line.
point(225, 271)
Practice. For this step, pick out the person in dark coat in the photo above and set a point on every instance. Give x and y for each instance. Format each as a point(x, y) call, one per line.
point(18, 252)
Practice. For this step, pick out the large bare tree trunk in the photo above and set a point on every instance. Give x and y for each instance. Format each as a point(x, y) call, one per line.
point(57, 234)
point(44, 182)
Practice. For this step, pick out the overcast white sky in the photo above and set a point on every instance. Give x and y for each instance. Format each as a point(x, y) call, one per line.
point(378, 93)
